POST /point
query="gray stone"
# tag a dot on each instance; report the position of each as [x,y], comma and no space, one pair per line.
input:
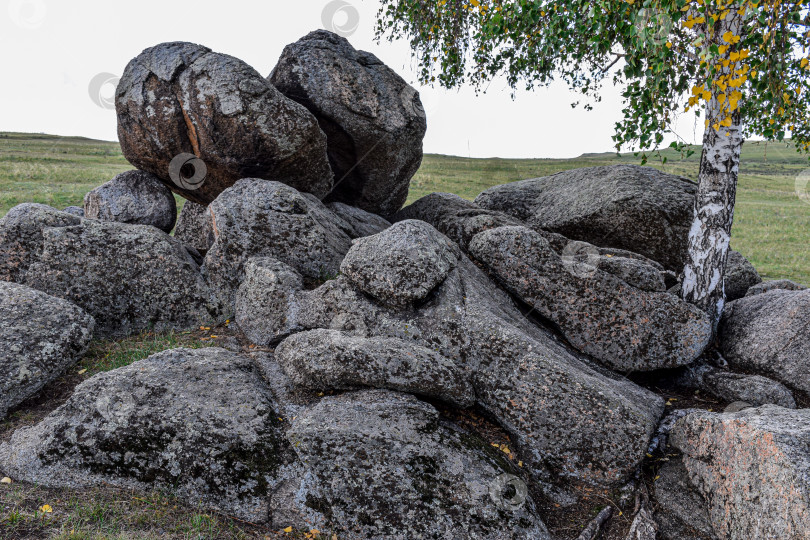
[601,315]
[194,227]
[752,468]
[264,306]
[40,337]
[128,277]
[682,512]
[195,422]
[359,222]
[730,386]
[74,210]
[740,276]
[767,334]
[777,284]
[332,360]
[553,401]
[135,197]
[402,264]
[21,236]
[635,208]
[461,220]
[383,465]
[373,120]
[181,98]
[255,218]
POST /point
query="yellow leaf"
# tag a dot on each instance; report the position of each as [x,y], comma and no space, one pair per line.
[804,62]
[5,480]
[82,371]
[722,49]
[288,530]
[315,531]
[669,44]
[706,95]
[46,508]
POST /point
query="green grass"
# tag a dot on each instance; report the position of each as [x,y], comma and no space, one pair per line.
[771,222]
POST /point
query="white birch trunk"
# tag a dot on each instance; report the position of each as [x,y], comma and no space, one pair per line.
[714,207]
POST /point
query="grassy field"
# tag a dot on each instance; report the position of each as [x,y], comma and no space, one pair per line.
[772,225]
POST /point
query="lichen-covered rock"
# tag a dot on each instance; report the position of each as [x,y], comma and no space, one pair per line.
[181,98]
[194,227]
[461,220]
[264,306]
[729,386]
[255,218]
[635,208]
[196,422]
[777,284]
[682,512]
[552,401]
[383,465]
[359,223]
[601,315]
[454,217]
[752,468]
[373,120]
[332,360]
[767,334]
[74,210]
[402,264]
[21,231]
[134,197]
[128,277]
[40,337]
[740,276]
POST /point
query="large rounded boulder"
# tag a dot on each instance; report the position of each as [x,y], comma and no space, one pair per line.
[373,120]
[200,121]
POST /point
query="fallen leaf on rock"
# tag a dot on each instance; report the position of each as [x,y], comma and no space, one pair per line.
[5,480]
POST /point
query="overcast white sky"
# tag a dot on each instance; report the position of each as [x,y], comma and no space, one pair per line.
[51,50]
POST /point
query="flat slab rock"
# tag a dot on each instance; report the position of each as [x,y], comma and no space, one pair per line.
[752,467]
[639,209]
[128,277]
[385,466]
[601,315]
[40,337]
[182,98]
[768,334]
[197,422]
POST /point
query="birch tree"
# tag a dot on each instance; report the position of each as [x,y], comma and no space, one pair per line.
[739,65]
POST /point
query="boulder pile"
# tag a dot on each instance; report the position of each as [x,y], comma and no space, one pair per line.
[379,348]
